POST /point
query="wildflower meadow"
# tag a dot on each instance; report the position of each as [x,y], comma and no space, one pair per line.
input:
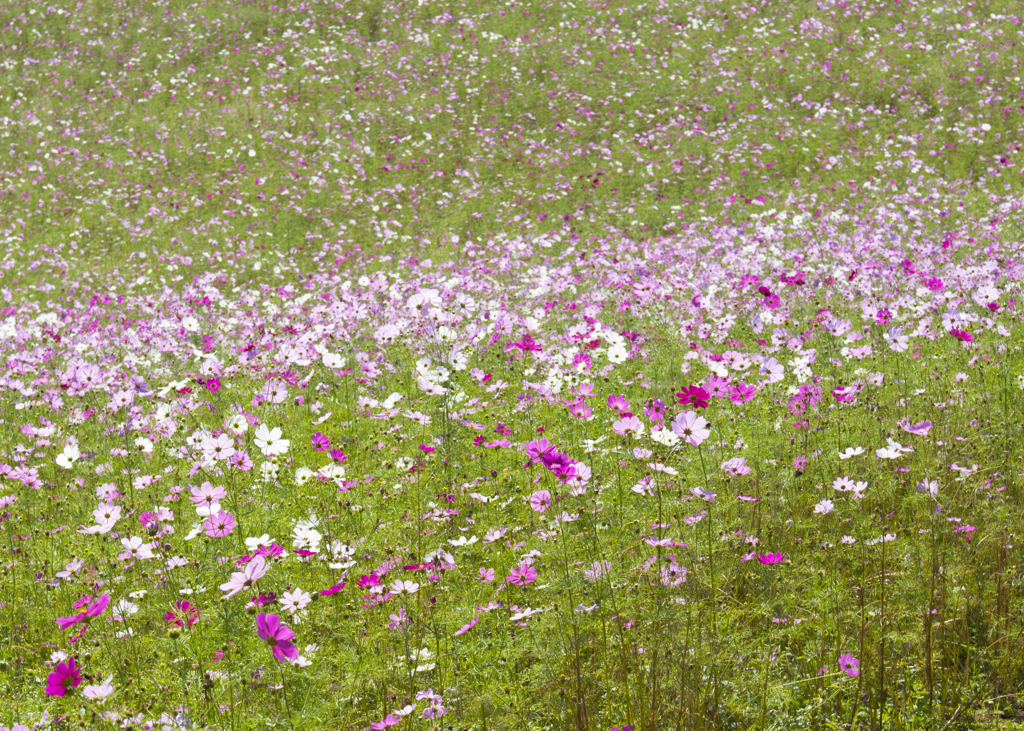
[600,364]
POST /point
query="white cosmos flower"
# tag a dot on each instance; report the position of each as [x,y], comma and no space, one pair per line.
[271,441]
[295,600]
[253,543]
[333,361]
[463,541]
[124,608]
[69,456]
[205,510]
[666,437]
[617,354]
[306,537]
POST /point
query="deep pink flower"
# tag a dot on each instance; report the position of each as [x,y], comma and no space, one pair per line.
[212,385]
[962,335]
[91,611]
[64,677]
[770,558]
[183,612]
[694,396]
[275,634]
[561,465]
[320,442]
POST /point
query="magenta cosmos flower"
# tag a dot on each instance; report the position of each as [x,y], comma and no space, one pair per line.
[275,634]
[770,558]
[86,615]
[694,396]
[183,612]
[63,678]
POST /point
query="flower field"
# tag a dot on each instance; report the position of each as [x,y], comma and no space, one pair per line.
[471,365]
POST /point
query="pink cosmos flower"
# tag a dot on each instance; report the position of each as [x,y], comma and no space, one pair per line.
[540,500]
[691,428]
[206,494]
[486,575]
[389,720]
[920,429]
[522,575]
[537,449]
[320,442]
[628,425]
[770,558]
[741,393]
[737,466]
[253,572]
[63,678]
[468,626]
[717,387]
[220,525]
[275,634]
[848,664]
[99,692]
[240,460]
[561,465]
[618,403]
[217,448]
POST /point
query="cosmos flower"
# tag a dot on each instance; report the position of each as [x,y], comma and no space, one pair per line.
[270,441]
[183,612]
[522,575]
[220,525]
[253,572]
[63,678]
[89,611]
[691,428]
[848,664]
[277,636]
[540,500]
[694,396]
